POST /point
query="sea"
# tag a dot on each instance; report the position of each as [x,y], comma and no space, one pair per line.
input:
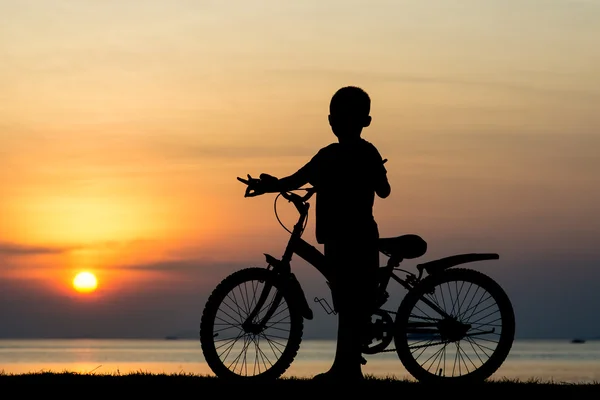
[557,361]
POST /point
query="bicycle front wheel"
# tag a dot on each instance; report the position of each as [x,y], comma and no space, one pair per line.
[455,326]
[234,349]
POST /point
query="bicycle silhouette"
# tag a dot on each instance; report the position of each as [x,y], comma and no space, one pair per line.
[452,325]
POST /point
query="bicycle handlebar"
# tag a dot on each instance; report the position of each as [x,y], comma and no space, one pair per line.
[288,195]
[294,198]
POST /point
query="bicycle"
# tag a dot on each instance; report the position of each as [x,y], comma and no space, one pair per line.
[267,305]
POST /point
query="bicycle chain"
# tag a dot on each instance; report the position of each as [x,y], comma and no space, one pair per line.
[415,347]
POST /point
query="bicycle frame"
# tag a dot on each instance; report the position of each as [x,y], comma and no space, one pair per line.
[297,245]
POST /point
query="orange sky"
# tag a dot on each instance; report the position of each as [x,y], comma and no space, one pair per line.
[123,128]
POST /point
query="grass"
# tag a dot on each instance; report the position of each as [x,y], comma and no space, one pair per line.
[184,383]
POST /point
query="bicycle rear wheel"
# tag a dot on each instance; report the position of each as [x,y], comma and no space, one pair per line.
[467,344]
[237,351]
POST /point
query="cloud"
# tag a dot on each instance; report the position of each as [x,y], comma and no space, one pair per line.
[192,269]
[12,249]
[588,95]
[203,151]
[17,249]
[23,256]
[12,255]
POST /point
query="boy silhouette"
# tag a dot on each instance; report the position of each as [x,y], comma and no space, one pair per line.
[346,175]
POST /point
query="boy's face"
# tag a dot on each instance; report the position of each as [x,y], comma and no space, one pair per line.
[347,125]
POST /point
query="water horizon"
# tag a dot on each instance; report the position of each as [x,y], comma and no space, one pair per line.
[542,360]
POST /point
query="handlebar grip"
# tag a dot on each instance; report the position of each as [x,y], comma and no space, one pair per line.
[289,196]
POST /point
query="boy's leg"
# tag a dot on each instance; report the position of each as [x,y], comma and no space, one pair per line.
[361,292]
[354,266]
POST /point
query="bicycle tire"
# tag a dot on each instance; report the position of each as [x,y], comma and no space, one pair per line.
[498,355]
[208,332]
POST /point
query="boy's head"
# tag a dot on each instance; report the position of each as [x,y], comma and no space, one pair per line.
[349,112]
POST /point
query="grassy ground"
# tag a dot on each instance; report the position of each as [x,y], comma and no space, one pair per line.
[161,385]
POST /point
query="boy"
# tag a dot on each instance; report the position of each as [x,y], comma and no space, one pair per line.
[346,176]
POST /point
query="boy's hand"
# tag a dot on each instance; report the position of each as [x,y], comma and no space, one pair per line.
[268,183]
[256,187]
[268,179]
[250,186]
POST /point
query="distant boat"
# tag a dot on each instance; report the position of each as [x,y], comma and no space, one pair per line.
[578,341]
[171,338]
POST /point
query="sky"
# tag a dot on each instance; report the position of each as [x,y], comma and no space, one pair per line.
[124,124]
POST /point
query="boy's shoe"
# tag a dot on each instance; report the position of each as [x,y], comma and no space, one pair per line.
[334,377]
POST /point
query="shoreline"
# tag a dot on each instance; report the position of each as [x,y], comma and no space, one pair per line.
[144,381]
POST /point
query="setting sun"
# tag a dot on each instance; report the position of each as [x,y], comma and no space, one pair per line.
[85,282]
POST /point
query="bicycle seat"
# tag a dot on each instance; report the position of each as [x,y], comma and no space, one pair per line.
[403,247]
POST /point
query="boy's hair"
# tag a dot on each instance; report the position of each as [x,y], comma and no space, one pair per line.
[350,100]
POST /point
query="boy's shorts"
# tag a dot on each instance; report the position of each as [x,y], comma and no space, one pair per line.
[353,266]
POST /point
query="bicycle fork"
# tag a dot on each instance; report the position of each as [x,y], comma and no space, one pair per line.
[286,283]
[257,327]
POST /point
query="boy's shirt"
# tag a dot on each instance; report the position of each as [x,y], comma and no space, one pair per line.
[346,176]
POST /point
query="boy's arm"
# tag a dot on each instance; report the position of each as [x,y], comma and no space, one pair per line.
[270,184]
[286,184]
[293,181]
[383,188]
[382,185]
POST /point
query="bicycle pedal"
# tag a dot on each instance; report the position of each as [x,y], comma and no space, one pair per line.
[328,309]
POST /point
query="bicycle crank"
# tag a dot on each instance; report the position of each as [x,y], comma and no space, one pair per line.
[380,333]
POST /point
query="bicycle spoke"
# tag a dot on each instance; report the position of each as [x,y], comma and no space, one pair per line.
[243,352]
[455,359]
[240,320]
[260,354]
[456,303]
[244,297]
[473,306]
[477,335]
[465,355]
[460,314]
[434,356]
[227,341]
[475,350]
[275,347]
[442,357]
[486,316]
[480,346]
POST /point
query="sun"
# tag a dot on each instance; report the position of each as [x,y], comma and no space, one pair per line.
[85,282]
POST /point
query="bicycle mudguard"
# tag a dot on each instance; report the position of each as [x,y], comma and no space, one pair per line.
[436,266]
[291,283]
